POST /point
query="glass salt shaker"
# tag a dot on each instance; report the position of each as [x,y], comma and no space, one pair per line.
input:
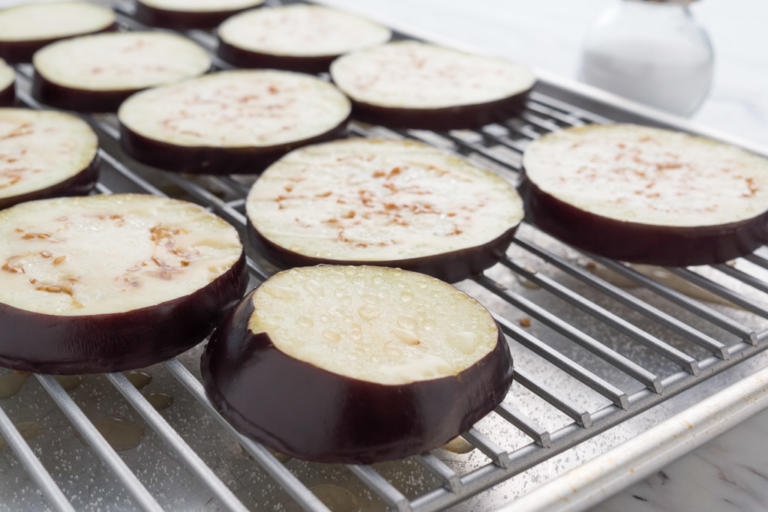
[650,51]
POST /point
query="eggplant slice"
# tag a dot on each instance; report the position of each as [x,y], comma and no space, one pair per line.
[97,73]
[45,154]
[188,14]
[26,28]
[112,282]
[356,364]
[382,202]
[7,84]
[418,85]
[647,195]
[295,37]
[231,121]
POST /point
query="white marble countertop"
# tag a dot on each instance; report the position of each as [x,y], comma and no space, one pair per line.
[730,473]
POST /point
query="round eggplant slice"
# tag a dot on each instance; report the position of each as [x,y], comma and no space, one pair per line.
[187,14]
[356,364]
[24,29]
[295,37]
[383,202]
[112,282]
[647,195]
[97,73]
[231,121]
[45,154]
[7,84]
[418,85]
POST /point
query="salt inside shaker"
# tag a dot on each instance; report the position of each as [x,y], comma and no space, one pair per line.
[650,51]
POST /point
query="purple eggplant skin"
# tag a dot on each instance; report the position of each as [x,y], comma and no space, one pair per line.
[670,246]
[78,100]
[309,413]
[213,160]
[8,95]
[65,345]
[256,60]
[451,266]
[14,52]
[78,185]
[441,119]
[182,20]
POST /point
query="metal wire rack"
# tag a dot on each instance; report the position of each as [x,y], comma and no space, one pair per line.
[625,348]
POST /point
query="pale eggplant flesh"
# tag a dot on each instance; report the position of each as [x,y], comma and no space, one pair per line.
[409,84]
[276,111]
[301,409]
[188,16]
[59,319]
[251,59]
[78,100]
[382,202]
[23,28]
[17,52]
[80,184]
[96,73]
[120,341]
[450,266]
[668,246]
[299,37]
[442,119]
[45,154]
[211,159]
[646,195]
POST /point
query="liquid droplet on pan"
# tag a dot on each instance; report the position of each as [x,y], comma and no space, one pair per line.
[120,433]
[11,383]
[138,378]
[336,497]
[27,429]
[69,382]
[525,282]
[159,401]
[458,445]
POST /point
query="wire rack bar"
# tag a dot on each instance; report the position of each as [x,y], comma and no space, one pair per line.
[498,145]
[32,464]
[639,335]
[545,124]
[564,118]
[297,490]
[626,298]
[539,435]
[449,477]
[692,305]
[720,290]
[100,446]
[161,427]
[572,333]
[569,108]
[381,487]
[581,417]
[608,390]
[744,277]
[502,135]
[757,259]
[488,447]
